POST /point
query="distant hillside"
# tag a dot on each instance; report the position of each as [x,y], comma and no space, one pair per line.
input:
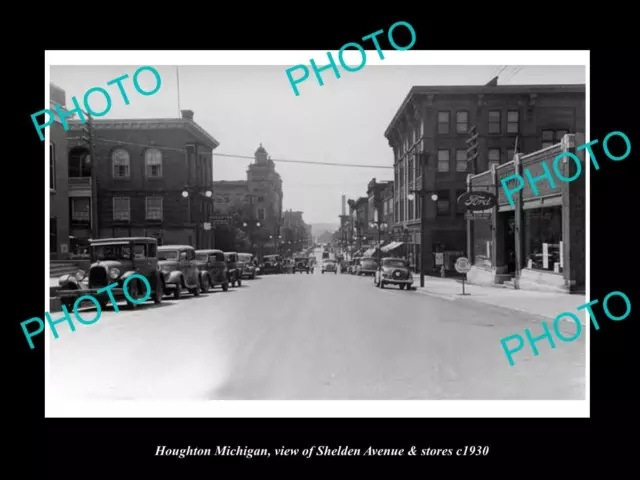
[320,228]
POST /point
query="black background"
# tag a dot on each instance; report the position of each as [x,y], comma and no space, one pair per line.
[75,448]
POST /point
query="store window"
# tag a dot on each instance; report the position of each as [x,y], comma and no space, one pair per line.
[543,239]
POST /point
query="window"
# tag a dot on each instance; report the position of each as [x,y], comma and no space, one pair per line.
[510,154]
[443,160]
[154,208]
[513,121]
[494,121]
[442,204]
[139,250]
[544,234]
[226,198]
[443,122]
[52,166]
[80,209]
[494,157]
[121,210]
[552,137]
[261,199]
[461,160]
[153,161]
[410,170]
[261,214]
[121,163]
[462,122]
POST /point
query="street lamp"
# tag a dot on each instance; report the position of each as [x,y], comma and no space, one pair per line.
[422,193]
[379,225]
[186,193]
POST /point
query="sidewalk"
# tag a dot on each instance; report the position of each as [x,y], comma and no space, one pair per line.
[544,304]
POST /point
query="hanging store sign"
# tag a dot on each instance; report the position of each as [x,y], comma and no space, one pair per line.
[477,216]
[477,201]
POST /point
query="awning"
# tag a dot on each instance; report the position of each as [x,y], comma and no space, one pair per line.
[392,246]
[369,253]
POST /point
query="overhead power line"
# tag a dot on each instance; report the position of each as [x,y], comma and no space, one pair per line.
[307,162]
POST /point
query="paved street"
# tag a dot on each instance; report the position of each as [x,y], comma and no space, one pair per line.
[312,337]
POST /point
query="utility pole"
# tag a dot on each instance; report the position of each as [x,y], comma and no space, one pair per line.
[472,159]
[423,215]
[89,140]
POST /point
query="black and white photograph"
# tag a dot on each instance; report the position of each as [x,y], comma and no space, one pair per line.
[228,239]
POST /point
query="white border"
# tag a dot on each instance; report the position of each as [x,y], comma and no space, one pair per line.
[292,408]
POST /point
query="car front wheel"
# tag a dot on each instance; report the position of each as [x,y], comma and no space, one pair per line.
[205,285]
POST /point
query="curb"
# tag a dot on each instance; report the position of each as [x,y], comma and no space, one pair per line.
[466,298]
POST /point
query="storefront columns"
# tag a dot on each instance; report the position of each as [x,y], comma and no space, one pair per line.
[573,214]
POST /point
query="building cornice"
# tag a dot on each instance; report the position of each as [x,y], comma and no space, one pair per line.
[477,89]
[149,124]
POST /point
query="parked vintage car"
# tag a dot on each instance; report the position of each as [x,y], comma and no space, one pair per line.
[302,264]
[394,271]
[113,261]
[367,266]
[213,269]
[246,265]
[329,265]
[272,264]
[179,268]
[233,272]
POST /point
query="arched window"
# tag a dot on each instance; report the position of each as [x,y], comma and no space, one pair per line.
[153,162]
[121,163]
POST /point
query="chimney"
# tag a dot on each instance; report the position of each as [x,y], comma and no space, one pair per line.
[187,114]
[493,82]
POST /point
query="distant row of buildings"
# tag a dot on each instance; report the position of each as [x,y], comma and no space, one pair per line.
[153,178]
[509,244]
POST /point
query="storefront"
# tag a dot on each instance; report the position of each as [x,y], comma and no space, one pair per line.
[539,243]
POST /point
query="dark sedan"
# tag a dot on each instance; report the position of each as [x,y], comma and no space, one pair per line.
[394,271]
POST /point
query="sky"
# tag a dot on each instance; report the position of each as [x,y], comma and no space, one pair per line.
[341,122]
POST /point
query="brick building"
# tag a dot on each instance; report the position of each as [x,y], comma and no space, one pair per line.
[539,241]
[375,195]
[436,120]
[58,179]
[294,231]
[258,199]
[152,177]
[361,233]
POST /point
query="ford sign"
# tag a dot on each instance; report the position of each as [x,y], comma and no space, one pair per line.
[476,201]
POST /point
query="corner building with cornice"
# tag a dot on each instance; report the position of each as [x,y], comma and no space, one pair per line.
[265,185]
[436,119]
[150,178]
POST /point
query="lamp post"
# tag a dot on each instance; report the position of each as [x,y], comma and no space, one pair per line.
[423,194]
[379,225]
[252,225]
[187,192]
